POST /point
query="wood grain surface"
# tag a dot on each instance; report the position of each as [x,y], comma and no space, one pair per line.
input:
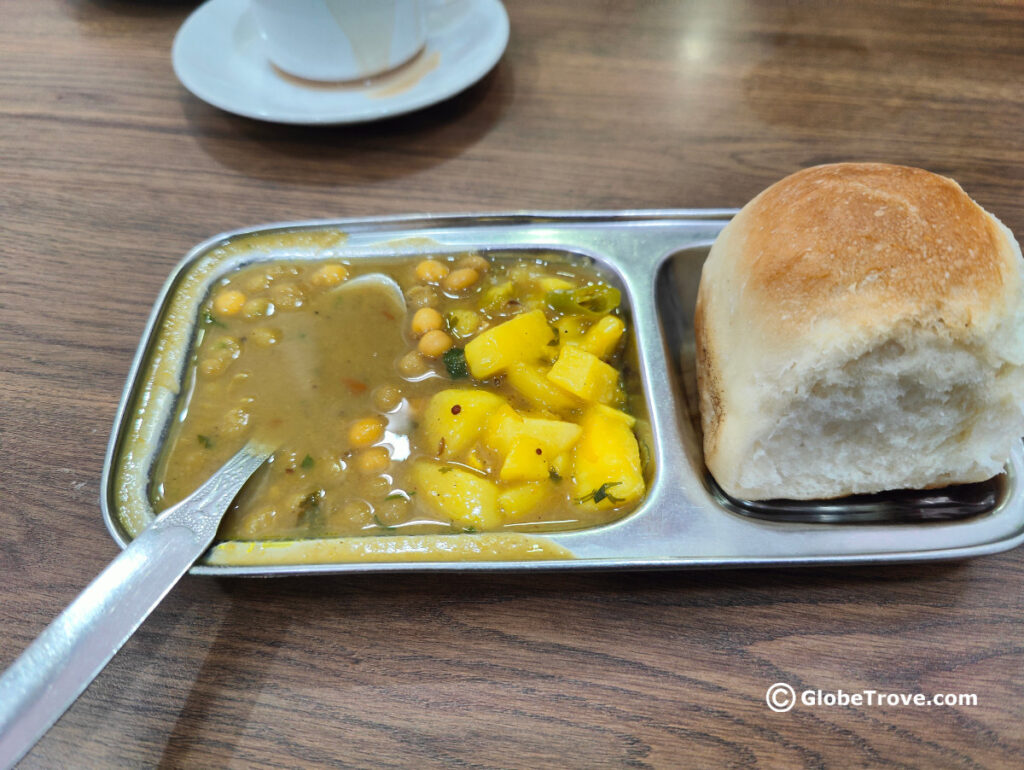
[110,171]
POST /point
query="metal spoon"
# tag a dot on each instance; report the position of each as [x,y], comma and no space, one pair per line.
[48,676]
[375,279]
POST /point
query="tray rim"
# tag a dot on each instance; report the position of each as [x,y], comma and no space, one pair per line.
[434,221]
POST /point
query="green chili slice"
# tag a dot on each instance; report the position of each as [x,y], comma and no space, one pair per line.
[591,301]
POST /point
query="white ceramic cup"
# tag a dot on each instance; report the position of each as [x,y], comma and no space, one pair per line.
[335,40]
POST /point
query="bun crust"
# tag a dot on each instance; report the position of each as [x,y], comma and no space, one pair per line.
[843,306]
[852,240]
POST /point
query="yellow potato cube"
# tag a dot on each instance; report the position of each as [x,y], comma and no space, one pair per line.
[606,461]
[585,375]
[553,437]
[503,428]
[454,419]
[615,414]
[518,502]
[523,338]
[476,462]
[571,329]
[532,383]
[603,336]
[525,461]
[470,501]
[496,297]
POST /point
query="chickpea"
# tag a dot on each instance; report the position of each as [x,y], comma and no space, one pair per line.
[424,320]
[257,282]
[434,343]
[236,420]
[257,308]
[357,512]
[475,262]
[282,271]
[287,296]
[378,486]
[228,347]
[393,511]
[386,398]
[265,337]
[213,366]
[463,323]
[256,525]
[460,279]
[431,271]
[412,364]
[219,356]
[421,296]
[373,461]
[330,274]
[228,302]
[365,432]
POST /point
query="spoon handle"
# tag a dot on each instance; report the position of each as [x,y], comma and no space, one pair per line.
[48,676]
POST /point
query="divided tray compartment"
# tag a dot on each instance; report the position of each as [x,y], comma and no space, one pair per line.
[685,521]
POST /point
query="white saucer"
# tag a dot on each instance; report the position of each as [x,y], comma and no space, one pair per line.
[218,56]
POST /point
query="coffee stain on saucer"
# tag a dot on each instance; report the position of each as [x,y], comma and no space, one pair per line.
[403,78]
[410,77]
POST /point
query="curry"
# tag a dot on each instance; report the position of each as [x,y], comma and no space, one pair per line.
[465,394]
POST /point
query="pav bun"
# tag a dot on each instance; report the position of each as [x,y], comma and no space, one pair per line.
[860,327]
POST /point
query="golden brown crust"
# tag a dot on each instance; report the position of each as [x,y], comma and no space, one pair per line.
[861,242]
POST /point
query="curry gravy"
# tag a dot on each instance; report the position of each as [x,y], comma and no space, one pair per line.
[336,377]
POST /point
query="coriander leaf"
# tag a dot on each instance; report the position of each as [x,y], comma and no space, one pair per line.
[209,320]
[307,462]
[205,441]
[310,511]
[602,493]
[455,362]
[381,524]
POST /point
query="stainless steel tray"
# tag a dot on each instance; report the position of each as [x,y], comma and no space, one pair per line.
[684,522]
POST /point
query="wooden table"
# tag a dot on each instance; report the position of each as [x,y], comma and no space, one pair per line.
[110,171]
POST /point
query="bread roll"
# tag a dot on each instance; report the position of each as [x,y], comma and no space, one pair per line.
[860,327]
